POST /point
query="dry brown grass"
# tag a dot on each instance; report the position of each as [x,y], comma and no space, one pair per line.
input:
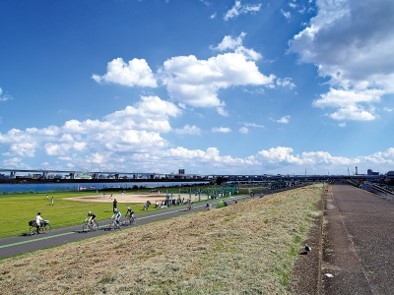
[247,248]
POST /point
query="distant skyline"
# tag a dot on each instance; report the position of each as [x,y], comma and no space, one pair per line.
[212,87]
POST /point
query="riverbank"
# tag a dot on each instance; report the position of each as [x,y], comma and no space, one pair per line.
[250,250]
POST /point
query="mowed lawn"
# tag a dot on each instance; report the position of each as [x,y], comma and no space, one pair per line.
[16,210]
[246,248]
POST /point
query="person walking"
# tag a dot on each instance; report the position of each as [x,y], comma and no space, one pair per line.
[114,205]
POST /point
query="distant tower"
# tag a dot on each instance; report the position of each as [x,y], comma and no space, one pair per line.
[356,170]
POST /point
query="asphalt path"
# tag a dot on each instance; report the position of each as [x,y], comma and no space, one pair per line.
[17,245]
[358,256]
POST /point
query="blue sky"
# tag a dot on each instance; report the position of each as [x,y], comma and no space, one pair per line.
[212,87]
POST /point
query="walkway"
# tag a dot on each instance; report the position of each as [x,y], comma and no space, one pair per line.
[358,249]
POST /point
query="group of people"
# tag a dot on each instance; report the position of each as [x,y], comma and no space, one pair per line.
[117,216]
[91,218]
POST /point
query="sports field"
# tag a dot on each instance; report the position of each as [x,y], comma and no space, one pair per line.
[70,208]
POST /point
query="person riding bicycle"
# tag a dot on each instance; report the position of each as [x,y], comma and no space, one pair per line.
[131,214]
[91,218]
[39,221]
[117,216]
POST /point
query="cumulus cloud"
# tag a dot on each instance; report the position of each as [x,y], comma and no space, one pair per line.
[239,9]
[284,120]
[285,82]
[109,142]
[354,52]
[221,130]
[197,82]
[120,141]
[189,129]
[134,73]
[191,81]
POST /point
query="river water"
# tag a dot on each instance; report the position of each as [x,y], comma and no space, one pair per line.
[61,187]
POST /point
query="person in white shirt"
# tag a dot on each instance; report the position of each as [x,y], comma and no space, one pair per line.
[38,222]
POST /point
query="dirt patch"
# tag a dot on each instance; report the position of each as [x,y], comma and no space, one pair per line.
[306,271]
[128,198]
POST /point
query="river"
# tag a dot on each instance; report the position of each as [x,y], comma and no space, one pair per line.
[61,187]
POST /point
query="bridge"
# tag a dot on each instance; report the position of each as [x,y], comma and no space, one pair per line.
[59,175]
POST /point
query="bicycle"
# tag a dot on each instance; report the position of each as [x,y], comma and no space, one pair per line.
[189,206]
[129,220]
[90,225]
[44,227]
[115,224]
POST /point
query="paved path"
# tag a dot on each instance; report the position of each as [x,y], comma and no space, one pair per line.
[359,243]
[21,244]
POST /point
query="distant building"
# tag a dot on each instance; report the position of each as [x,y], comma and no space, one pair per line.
[181,171]
[371,172]
[390,177]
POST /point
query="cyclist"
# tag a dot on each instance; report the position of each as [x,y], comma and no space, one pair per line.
[189,206]
[39,220]
[117,216]
[91,218]
[131,214]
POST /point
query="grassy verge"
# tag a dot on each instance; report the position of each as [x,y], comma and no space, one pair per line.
[247,248]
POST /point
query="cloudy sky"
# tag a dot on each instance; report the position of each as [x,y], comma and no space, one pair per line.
[212,87]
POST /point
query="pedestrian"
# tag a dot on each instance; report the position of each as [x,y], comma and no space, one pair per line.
[114,205]
[52,201]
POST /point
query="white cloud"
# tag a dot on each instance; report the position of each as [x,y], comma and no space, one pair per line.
[115,139]
[239,9]
[253,125]
[244,130]
[191,81]
[230,43]
[286,14]
[285,82]
[284,120]
[189,129]
[114,144]
[353,51]
[221,130]
[197,82]
[350,104]
[134,73]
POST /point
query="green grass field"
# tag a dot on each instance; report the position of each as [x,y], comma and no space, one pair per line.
[16,210]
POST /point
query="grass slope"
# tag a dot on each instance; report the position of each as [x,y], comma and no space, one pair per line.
[247,248]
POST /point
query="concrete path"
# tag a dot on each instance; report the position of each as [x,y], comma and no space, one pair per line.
[358,244]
